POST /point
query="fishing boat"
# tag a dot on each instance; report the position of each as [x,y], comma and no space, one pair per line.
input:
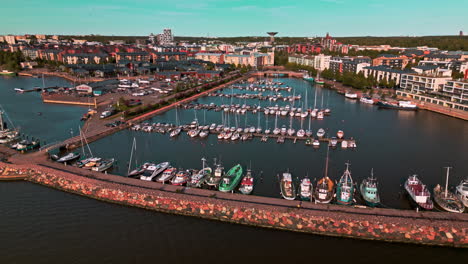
[152,171]
[321,133]
[231,179]
[69,157]
[324,189]
[419,192]
[140,169]
[288,191]
[447,200]
[197,179]
[305,189]
[340,134]
[247,183]
[167,175]
[369,191]
[401,105]
[462,192]
[181,178]
[345,188]
[104,165]
[215,178]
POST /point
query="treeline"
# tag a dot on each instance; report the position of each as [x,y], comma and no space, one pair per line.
[358,81]
[11,60]
[441,42]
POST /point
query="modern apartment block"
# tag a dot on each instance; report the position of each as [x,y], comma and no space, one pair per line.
[393,61]
[416,83]
[457,91]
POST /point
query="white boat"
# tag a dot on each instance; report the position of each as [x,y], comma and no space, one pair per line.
[193,132]
[139,170]
[340,134]
[204,133]
[351,95]
[316,143]
[228,135]
[419,192]
[69,157]
[167,175]
[320,133]
[103,165]
[344,144]
[366,100]
[301,133]
[175,132]
[288,191]
[153,171]
[446,199]
[462,192]
[320,115]
[235,136]
[305,189]
[333,142]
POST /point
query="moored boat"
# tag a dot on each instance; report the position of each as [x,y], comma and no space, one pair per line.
[351,95]
[215,178]
[401,105]
[340,134]
[181,178]
[320,132]
[419,192]
[153,171]
[288,191]
[197,179]
[231,179]
[247,183]
[462,192]
[345,188]
[305,190]
[446,199]
[167,175]
[104,165]
[369,190]
[366,100]
[69,157]
[139,170]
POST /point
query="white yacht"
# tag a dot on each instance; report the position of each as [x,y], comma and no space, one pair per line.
[462,192]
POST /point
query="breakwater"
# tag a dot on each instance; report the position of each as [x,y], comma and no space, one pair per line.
[375,224]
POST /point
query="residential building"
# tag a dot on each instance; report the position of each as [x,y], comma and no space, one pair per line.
[40,36]
[416,83]
[169,56]
[349,64]
[10,39]
[457,91]
[166,37]
[393,61]
[133,56]
[386,73]
[30,53]
[211,57]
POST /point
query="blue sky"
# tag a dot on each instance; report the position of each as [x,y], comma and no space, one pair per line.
[236,17]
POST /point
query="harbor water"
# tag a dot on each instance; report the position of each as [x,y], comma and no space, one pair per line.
[395,144]
[47,122]
[43,225]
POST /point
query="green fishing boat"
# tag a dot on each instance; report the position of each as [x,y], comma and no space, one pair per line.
[231,179]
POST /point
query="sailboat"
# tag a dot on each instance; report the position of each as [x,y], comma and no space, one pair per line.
[176,131]
[138,170]
[369,191]
[301,132]
[277,130]
[324,189]
[447,200]
[291,130]
[345,188]
[89,159]
[318,80]
[267,129]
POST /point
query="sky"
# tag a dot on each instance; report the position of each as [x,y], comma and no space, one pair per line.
[222,18]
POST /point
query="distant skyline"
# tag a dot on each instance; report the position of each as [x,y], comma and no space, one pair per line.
[230,18]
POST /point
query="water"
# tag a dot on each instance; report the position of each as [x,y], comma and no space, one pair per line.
[394,143]
[47,122]
[42,225]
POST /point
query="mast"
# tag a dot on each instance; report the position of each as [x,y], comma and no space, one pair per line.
[203,161]
[176,117]
[1,121]
[258,120]
[310,118]
[276,121]
[322,100]
[131,155]
[315,99]
[326,163]
[446,180]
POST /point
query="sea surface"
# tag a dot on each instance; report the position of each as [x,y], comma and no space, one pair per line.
[43,225]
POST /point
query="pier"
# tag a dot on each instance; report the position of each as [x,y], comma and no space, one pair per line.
[430,228]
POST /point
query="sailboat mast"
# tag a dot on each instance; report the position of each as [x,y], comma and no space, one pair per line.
[446,180]
[131,155]
[326,163]
[315,99]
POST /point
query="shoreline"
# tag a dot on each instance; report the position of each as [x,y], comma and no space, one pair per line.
[390,225]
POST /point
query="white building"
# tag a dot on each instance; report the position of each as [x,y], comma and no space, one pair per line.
[166,37]
[457,91]
[416,83]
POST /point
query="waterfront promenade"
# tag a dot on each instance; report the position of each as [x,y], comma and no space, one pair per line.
[431,228]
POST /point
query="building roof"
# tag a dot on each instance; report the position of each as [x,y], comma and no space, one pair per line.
[426,67]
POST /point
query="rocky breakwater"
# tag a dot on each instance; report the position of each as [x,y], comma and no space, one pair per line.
[325,221]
